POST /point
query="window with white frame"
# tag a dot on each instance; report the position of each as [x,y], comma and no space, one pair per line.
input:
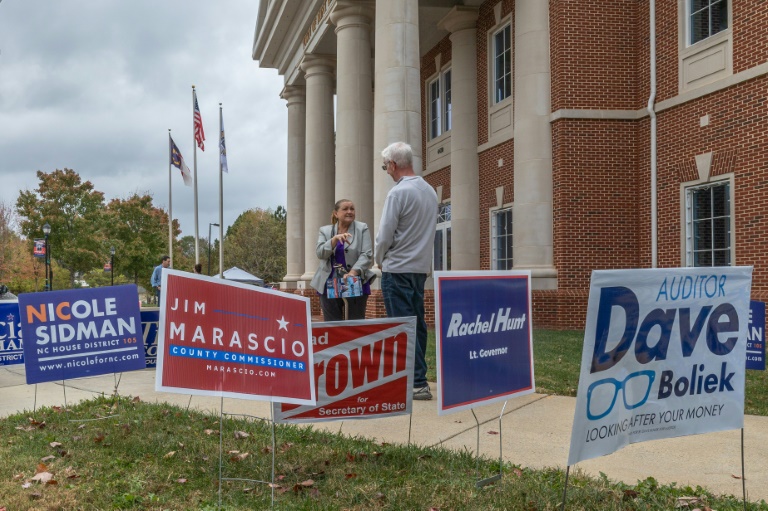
[440,104]
[501,239]
[442,251]
[502,64]
[708,225]
[706,18]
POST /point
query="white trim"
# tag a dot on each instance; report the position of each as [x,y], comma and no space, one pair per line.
[491,213]
[438,149]
[705,61]
[501,114]
[685,231]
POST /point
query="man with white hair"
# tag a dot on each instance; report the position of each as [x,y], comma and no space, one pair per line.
[403,249]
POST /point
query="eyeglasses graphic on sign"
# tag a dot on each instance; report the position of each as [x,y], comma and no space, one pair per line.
[601,395]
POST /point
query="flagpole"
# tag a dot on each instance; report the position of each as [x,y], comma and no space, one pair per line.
[170,203]
[221,198]
[194,148]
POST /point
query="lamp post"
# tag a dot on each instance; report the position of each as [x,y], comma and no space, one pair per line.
[209,247]
[48,276]
[111,266]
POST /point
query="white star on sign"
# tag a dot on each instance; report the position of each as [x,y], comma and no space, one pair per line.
[283,324]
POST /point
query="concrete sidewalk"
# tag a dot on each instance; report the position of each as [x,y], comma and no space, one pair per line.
[535,432]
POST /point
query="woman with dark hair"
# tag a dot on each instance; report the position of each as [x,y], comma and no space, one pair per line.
[344,248]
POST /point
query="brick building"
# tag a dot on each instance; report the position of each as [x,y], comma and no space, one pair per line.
[531,119]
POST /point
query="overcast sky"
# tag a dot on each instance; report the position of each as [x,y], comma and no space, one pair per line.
[94,85]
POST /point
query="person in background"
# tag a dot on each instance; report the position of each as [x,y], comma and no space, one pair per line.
[157,276]
[403,251]
[344,242]
[199,269]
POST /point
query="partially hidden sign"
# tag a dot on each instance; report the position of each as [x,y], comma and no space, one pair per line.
[81,332]
[363,370]
[224,338]
[11,346]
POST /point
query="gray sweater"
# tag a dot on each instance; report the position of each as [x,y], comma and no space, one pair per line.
[405,239]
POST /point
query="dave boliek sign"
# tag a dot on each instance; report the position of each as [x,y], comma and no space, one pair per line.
[223,338]
[663,356]
[484,337]
[81,332]
[363,369]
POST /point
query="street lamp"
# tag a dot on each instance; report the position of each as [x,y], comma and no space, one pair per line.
[111,266]
[209,247]
[48,276]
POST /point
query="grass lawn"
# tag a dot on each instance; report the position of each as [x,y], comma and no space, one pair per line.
[160,457]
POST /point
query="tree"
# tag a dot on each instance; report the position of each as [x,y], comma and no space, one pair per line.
[74,210]
[139,232]
[256,243]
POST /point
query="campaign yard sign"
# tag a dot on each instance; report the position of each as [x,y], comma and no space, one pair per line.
[663,356]
[81,332]
[224,338]
[484,337]
[363,370]
[756,336]
[150,323]
[11,346]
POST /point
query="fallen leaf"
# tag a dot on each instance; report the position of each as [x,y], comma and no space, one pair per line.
[517,472]
[384,444]
[99,438]
[41,467]
[266,450]
[26,485]
[314,493]
[240,457]
[18,476]
[76,438]
[491,432]
[350,457]
[630,494]
[181,446]
[181,481]
[737,477]
[273,485]
[169,455]
[247,490]
[48,458]
[81,426]
[42,477]
[350,476]
[137,399]
[52,481]
[241,434]
[35,495]
[209,432]
[307,483]
[55,444]
[233,452]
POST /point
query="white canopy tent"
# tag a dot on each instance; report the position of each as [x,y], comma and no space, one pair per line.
[239,275]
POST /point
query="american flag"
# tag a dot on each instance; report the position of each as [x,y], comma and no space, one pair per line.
[198,124]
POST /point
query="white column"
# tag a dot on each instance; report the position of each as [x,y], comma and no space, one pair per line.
[397,91]
[532,214]
[295,233]
[354,105]
[319,166]
[465,182]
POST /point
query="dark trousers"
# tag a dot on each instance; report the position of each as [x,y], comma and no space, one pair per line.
[403,297]
[333,308]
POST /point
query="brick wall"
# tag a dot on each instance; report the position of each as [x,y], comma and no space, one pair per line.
[593,54]
[492,175]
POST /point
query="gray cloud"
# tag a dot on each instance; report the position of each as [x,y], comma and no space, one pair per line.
[95,86]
